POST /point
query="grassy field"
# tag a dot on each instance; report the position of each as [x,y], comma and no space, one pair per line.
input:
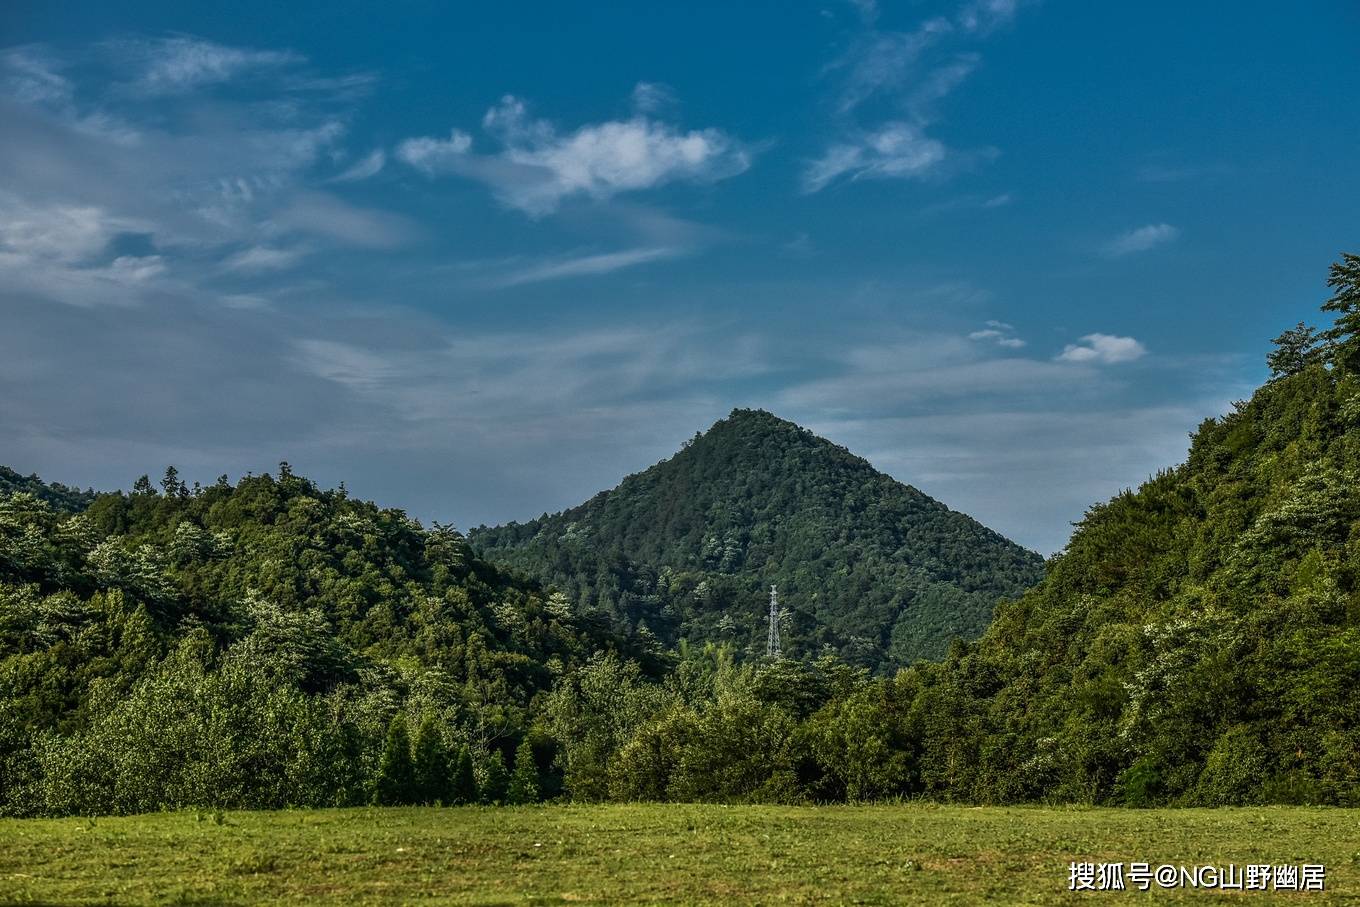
[913,854]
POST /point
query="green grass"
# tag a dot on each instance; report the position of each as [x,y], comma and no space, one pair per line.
[912,854]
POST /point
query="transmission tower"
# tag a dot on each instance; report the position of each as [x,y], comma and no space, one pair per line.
[772,641]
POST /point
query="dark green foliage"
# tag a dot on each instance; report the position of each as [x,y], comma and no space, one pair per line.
[874,568]
[395,784]
[249,645]
[1295,350]
[432,766]
[61,497]
[523,787]
[463,785]
[1344,335]
[494,782]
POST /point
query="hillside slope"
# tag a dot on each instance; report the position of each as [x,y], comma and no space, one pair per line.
[266,644]
[1199,639]
[687,549]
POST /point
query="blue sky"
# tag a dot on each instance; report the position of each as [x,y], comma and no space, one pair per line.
[481,261]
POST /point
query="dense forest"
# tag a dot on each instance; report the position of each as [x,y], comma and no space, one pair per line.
[869,569]
[271,644]
[60,497]
[266,644]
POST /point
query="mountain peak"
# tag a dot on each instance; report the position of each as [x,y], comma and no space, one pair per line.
[687,547]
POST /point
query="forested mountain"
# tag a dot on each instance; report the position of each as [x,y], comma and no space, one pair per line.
[1197,643]
[874,569]
[264,644]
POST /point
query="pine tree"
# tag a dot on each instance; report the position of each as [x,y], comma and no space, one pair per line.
[143,486]
[524,781]
[494,778]
[431,765]
[463,786]
[395,784]
[170,483]
[1344,334]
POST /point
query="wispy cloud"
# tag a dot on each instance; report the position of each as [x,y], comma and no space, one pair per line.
[538,167]
[584,265]
[985,16]
[908,73]
[369,165]
[1140,239]
[181,64]
[262,258]
[32,75]
[999,333]
[1103,349]
[896,150]
[211,188]
[651,97]
[431,156]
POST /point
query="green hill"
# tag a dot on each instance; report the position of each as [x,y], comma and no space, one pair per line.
[263,644]
[1199,640]
[687,550]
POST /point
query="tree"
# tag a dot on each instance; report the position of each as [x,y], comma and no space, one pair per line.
[494,778]
[431,766]
[1295,350]
[524,781]
[170,483]
[395,784]
[463,786]
[1344,334]
[143,486]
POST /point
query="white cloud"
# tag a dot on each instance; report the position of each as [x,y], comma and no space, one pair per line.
[433,155]
[32,76]
[907,73]
[896,150]
[262,258]
[649,97]
[1140,240]
[999,333]
[197,182]
[538,167]
[1105,349]
[369,165]
[60,232]
[182,64]
[885,62]
[137,268]
[583,265]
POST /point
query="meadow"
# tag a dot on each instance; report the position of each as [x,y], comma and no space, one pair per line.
[657,854]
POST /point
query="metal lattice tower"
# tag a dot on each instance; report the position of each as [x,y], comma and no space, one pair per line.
[772,641]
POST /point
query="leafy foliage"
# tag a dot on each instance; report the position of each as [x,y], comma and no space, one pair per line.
[267,644]
[60,497]
[875,569]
